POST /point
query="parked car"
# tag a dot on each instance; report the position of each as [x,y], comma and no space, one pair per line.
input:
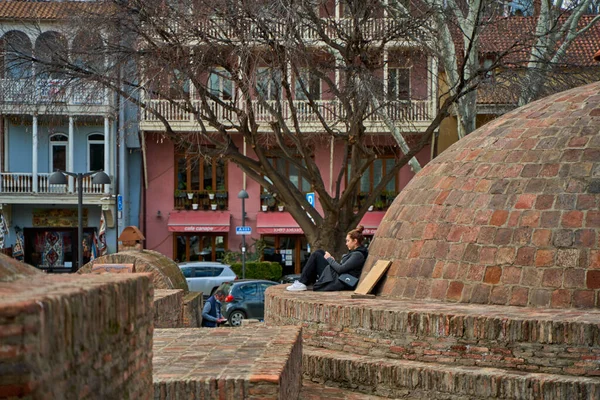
[245,299]
[206,276]
[289,278]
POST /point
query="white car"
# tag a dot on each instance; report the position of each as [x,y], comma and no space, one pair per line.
[206,276]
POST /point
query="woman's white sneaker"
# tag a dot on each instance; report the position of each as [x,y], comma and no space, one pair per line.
[297,286]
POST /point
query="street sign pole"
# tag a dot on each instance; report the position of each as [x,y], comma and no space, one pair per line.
[243,240]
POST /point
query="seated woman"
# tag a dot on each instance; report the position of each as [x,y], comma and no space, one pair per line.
[323,270]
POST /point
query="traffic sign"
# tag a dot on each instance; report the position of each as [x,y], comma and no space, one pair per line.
[310,197]
[119,203]
[243,230]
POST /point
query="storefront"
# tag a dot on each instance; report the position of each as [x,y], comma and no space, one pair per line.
[199,236]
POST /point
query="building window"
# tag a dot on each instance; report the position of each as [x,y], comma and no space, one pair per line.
[95,152]
[220,84]
[398,85]
[199,247]
[291,251]
[312,86]
[373,176]
[16,48]
[291,171]
[196,173]
[268,83]
[59,144]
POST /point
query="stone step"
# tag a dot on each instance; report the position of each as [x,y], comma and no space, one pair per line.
[317,391]
[414,379]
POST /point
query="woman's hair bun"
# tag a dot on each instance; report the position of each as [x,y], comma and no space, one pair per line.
[360,228]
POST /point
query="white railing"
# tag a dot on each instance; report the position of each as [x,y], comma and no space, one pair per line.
[22,183]
[330,110]
[223,29]
[46,91]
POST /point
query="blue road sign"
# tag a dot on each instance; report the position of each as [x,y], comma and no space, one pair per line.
[119,203]
[310,197]
[243,230]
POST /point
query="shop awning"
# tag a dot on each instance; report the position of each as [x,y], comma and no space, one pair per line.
[277,223]
[371,221]
[199,221]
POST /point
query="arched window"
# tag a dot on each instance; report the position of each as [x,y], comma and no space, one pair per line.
[52,49]
[95,152]
[16,55]
[59,145]
[88,51]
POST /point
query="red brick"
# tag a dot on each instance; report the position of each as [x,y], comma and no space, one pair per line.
[439,289]
[511,275]
[500,295]
[483,186]
[549,170]
[499,217]
[525,201]
[519,296]
[442,197]
[493,275]
[595,259]
[593,280]
[552,278]
[455,290]
[525,256]
[572,219]
[530,218]
[487,255]
[583,299]
[580,141]
[513,219]
[544,257]
[574,278]
[544,202]
[429,231]
[541,237]
[480,294]
[475,273]
[438,270]
[592,219]
[505,255]
[561,298]
[585,237]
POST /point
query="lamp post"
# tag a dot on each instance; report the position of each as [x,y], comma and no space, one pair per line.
[60,178]
[243,195]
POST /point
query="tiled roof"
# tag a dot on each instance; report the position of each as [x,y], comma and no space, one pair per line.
[31,10]
[515,35]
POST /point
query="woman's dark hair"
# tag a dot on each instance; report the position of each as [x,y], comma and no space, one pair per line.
[357,234]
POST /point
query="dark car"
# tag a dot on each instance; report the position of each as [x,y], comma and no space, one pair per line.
[289,278]
[245,299]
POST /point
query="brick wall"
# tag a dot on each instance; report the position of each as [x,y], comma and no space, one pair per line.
[168,308]
[192,310]
[77,337]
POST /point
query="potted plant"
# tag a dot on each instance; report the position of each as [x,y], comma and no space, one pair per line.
[371,207]
[280,206]
[264,207]
[379,204]
[190,195]
[194,206]
[211,194]
[213,206]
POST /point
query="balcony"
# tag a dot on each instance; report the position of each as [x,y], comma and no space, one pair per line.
[17,187]
[222,29]
[201,200]
[418,114]
[19,95]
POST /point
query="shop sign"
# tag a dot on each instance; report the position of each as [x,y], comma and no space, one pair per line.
[58,217]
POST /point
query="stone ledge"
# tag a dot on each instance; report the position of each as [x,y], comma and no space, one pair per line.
[515,338]
[242,363]
[401,378]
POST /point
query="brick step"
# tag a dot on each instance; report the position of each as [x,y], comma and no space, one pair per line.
[317,391]
[414,379]
[509,338]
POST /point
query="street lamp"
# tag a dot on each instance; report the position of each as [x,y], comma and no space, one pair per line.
[60,178]
[243,195]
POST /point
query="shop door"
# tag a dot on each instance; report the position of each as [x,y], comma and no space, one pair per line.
[198,247]
[291,251]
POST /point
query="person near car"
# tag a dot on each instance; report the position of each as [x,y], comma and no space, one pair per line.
[211,313]
[323,270]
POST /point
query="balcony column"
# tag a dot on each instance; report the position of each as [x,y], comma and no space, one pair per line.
[71,154]
[386,72]
[107,143]
[34,152]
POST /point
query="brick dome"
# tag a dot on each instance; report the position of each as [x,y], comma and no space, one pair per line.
[508,215]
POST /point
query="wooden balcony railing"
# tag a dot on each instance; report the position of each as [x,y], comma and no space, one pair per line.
[173,111]
[22,183]
[201,200]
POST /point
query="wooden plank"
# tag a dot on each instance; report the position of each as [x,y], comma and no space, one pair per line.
[362,296]
[374,275]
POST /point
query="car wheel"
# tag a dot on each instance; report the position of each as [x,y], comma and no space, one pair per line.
[236,317]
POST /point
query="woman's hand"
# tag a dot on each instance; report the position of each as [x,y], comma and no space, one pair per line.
[327,255]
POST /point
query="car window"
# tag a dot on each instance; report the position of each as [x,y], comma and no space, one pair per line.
[263,286]
[202,272]
[216,271]
[248,289]
[187,272]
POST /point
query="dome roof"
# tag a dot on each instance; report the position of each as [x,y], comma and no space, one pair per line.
[508,215]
